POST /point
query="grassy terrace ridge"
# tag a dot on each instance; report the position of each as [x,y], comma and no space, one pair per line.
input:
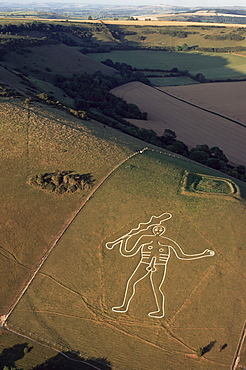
[68,306]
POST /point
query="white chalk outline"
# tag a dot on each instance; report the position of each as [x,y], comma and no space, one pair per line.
[157,229]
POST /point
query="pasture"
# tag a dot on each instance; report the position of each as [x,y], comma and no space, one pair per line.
[214,66]
[46,141]
[171,81]
[192,125]
[68,305]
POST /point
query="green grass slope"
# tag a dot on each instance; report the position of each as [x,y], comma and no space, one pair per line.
[46,141]
[212,65]
[68,306]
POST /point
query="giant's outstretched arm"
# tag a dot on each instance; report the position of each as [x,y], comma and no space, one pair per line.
[183,256]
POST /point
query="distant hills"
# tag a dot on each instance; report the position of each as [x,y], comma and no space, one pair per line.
[110,11]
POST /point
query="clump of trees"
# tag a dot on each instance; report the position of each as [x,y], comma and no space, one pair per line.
[226,49]
[176,33]
[61,182]
[5,91]
[57,32]
[230,36]
[93,91]
[212,157]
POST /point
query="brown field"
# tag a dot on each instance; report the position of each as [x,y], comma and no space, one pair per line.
[151,23]
[192,125]
[226,98]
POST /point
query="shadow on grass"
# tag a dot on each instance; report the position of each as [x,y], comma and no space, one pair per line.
[76,362]
[208,347]
[9,356]
[223,347]
[64,361]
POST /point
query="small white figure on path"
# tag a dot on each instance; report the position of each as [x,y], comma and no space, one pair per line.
[155,250]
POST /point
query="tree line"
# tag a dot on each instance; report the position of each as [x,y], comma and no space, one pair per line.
[92,91]
[82,35]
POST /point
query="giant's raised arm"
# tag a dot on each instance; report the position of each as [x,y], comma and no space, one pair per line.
[183,256]
[129,244]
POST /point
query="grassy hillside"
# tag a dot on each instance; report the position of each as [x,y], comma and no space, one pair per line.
[46,141]
[68,306]
[59,279]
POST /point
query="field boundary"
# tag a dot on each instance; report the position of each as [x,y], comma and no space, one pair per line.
[199,107]
[241,341]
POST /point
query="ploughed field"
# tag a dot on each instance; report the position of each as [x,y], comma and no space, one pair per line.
[194,126]
[225,98]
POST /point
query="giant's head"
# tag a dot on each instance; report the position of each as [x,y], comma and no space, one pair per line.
[158,230]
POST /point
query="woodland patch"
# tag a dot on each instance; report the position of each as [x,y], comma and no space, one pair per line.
[61,182]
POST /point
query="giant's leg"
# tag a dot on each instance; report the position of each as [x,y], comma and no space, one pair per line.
[138,274]
[157,279]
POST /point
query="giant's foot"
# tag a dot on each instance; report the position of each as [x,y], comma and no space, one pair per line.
[120,309]
[156,314]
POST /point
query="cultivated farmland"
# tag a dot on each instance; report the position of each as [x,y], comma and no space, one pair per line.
[225,98]
[191,124]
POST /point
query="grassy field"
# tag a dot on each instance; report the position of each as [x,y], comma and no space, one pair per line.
[47,141]
[171,81]
[174,34]
[211,65]
[68,305]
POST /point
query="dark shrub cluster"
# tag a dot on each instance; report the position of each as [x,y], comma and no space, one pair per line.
[61,182]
